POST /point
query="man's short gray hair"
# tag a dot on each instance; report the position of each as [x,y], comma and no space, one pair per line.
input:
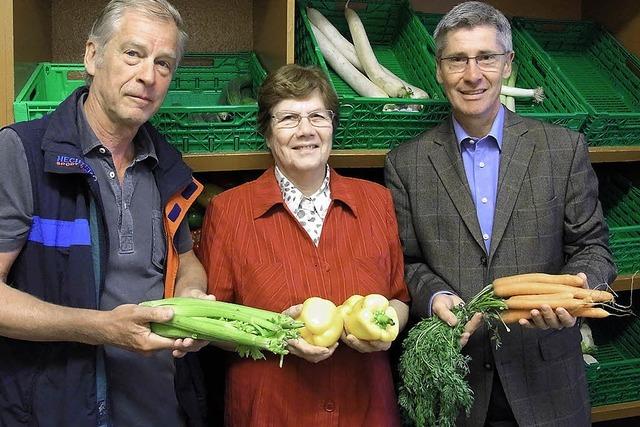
[104,27]
[473,14]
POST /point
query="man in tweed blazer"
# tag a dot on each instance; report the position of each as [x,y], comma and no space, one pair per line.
[488,194]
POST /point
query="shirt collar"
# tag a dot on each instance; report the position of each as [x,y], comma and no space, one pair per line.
[495,132]
[267,193]
[89,141]
[292,194]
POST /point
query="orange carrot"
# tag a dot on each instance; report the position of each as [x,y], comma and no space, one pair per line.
[531,288]
[592,312]
[594,295]
[502,289]
[561,279]
[531,304]
[561,295]
[512,316]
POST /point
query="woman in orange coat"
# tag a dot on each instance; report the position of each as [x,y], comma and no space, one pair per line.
[302,230]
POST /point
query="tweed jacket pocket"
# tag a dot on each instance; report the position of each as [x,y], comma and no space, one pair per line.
[539,219]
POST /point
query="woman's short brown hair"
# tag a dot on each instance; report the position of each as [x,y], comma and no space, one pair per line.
[293,82]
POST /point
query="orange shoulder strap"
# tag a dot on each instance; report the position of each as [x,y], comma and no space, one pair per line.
[174,212]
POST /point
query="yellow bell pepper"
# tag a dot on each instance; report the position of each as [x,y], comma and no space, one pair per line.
[323,323]
[370,318]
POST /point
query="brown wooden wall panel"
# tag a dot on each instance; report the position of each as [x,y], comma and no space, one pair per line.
[551,9]
[32,30]
[32,37]
[212,25]
[6,62]
[622,19]
[273,31]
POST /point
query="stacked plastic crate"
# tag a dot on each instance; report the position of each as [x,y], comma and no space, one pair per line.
[194,116]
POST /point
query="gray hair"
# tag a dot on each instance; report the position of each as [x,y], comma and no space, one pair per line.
[104,27]
[473,14]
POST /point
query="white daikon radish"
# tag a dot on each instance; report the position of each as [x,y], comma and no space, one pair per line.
[358,81]
[511,81]
[415,91]
[391,85]
[509,89]
[537,94]
[345,47]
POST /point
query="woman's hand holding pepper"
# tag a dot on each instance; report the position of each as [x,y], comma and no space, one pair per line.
[301,348]
[363,346]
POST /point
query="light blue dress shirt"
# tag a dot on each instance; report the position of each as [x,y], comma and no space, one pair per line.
[481,158]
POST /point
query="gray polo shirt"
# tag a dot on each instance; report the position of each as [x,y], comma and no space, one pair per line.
[141,388]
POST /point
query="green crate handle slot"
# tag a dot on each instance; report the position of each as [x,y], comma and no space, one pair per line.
[198,59]
[33,94]
[633,67]
[539,68]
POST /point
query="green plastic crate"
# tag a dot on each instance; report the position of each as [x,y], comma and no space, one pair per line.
[559,106]
[621,207]
[190,116]
[48,85]
[616,376]
[604,77]
[401,44]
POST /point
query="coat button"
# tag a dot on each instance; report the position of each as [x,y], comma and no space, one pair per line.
[329,406]
[488,366]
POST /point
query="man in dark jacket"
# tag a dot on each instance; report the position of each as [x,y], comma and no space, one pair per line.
[489,194]
[91,210]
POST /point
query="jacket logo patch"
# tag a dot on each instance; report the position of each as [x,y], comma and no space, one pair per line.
[74,162]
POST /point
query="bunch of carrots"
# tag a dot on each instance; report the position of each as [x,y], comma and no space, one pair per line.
[525,292]
[431,353]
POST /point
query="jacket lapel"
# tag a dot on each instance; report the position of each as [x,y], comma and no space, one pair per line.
[514,162]
[447,162]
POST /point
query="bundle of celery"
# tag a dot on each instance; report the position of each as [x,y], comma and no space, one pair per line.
[433,390]
[251,329]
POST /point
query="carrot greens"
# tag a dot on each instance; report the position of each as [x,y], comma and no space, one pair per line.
[433,390]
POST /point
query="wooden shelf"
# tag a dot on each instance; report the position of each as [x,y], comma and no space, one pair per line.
[212,162]
[614,154]
[615,411]
[623,283]
[374,158]
[357,158]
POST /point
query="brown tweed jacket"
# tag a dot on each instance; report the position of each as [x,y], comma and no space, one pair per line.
[547,219]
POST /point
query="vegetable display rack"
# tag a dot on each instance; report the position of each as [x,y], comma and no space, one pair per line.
[402,45]
[616,376]
[621,206]
[603,76]
[192,116]
[559,106]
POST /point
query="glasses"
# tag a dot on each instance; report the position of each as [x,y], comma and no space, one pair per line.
[291,119]
[486,62]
